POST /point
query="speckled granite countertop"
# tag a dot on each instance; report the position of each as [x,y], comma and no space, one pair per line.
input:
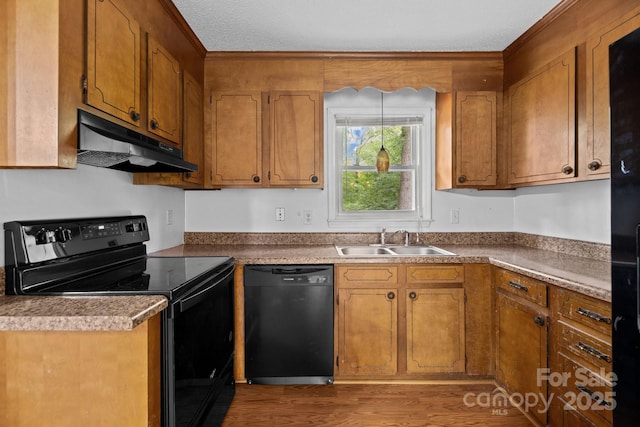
[585,275]
[115,313]
[574,265]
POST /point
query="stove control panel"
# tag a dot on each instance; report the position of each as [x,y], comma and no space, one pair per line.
[28,242]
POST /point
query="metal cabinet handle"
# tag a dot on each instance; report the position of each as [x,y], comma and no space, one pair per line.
[593,315]
[391,295]
[135,116]
[154,124]
[594,166]
[518,286]
[567,170]
[597,396]
[256,178]
[413,295]
[593,351]
[539,320]
[314,178]
[462,179]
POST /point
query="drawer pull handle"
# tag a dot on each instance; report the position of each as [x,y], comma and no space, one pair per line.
[391,295]
[518,286]
[593,352]
[593,315]
[413,295]
[596,396]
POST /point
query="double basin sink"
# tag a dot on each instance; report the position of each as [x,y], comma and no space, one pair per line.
[390,250]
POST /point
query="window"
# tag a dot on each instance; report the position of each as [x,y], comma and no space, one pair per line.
[357,192]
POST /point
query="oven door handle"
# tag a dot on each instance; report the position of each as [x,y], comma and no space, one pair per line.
[188,302]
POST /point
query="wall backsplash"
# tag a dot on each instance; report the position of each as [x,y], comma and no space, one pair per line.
[599,251]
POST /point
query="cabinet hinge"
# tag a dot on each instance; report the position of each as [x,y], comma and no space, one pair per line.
[85,85]
[211,99]
[337,357]
[268,99]
[465,298]
[269,175]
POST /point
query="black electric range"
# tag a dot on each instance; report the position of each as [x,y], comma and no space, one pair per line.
[107,256]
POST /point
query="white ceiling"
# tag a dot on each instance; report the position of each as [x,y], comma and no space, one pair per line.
[361,25]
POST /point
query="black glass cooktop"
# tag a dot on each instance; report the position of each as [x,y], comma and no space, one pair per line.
[168,276]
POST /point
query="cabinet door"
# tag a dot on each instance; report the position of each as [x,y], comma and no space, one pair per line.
[367,331]
[521,350]
[113,60]
[295,140]
[541,124]
[597,163]
[435,330]
[236,138]
[164,92]
[475,155]
[193,134]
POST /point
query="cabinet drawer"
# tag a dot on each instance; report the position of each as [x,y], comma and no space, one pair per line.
[524,287]
[585,347]
[435,274]
[367,275]
[590,394]
[586,311]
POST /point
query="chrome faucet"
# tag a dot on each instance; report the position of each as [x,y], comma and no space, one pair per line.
[382,235]
[406,236]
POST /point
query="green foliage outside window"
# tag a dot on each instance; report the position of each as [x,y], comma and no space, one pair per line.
[364,189]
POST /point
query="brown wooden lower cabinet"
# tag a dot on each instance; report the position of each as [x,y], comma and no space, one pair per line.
[398,321]
[435,330]
[368,331]
[562,353]
[521,340]
[581,351]
[81,378]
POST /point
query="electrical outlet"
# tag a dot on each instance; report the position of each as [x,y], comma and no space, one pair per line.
[307,217]
[169,217]
[279,214]
[455,216]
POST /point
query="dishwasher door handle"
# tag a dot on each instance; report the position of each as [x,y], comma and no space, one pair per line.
[281,271]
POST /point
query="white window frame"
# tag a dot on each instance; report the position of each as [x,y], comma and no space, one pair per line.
[424,170]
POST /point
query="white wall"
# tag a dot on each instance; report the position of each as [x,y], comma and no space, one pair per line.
[90,191]
[580,211]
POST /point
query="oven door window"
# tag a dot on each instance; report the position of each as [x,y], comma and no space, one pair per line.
[203,349]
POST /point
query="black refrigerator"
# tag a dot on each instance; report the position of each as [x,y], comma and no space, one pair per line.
[624,79]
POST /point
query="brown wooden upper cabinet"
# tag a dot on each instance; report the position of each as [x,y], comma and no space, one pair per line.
[540,124]
[113,61]
[466,139]
[192,138]
[598,153]
[164,91]
[114,71]
[266,139]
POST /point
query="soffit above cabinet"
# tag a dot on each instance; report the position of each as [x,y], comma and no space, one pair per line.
[353,25]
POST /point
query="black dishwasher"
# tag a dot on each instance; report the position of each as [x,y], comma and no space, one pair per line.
[288,316]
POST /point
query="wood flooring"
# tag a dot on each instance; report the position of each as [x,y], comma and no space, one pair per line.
[371,405]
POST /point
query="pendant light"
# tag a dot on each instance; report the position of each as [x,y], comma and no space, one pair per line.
[382,159]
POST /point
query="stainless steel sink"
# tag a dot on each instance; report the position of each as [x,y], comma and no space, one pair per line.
[419,250]
[391,250]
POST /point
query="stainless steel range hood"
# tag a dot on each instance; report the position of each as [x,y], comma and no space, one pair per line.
[105,144]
